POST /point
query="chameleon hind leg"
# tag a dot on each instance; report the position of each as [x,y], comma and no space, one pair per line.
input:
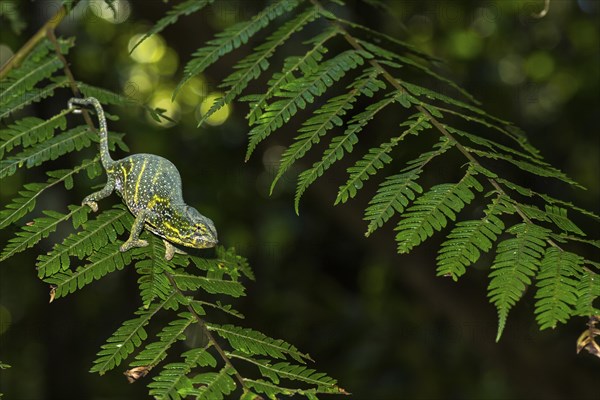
[91,200]
[134,237]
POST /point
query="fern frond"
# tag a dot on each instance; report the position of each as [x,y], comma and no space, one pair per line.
[102,262]
[557,287]
[389,55]
[394,194]
[257,62]
[432,210]
[252,342]
[517,260]
[285,370]
[209,284]
[545,171]
[340,145]
[232,38]
[376,158]
[549,199]
[307,64]
[185,8]
[39,65]
[298,93]
[26,200]
[153,283]
[29,131]
[34,95]
[212,385]
[588,292]
[126,339]
[325,118]
[95,235]
[156,351]
[173,379]
[468,239]
[558,215]
[73,139]
[227,261]
[38,229]
[272,391]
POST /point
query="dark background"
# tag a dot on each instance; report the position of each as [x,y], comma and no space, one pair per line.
[382,324]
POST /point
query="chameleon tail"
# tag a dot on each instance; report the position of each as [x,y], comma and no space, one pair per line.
[105,158]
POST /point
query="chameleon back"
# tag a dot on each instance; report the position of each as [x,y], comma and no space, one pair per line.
[147,181]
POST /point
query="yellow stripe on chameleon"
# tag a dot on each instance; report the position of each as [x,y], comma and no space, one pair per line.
[138,180]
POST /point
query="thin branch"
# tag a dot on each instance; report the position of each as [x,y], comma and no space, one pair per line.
[69,75]
[207,333]
[16,60]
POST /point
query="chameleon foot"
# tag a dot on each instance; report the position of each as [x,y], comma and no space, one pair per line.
[133,243]
[92,204]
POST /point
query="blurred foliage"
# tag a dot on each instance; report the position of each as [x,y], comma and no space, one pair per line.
[381,323]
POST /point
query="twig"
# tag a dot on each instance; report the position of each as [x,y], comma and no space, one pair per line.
[208,334]
[16,60]
[69,75]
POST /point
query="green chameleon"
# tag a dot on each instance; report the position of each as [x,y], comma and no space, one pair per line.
[150,186]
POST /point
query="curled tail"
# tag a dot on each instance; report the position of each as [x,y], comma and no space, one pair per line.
[105,158]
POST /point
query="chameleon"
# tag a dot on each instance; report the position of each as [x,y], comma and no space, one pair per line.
[150,186]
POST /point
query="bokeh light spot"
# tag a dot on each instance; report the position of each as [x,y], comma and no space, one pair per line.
[121,11]
[150,50]
[219,116]
[5,319]
[162,99]
[466,44]
[539,66]
[510,70]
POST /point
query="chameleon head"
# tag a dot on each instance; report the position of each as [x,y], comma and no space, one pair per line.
[203,233]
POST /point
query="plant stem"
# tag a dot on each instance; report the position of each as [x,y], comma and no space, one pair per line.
[208,334]
[16,60]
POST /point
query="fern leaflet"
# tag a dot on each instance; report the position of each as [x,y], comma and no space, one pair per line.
[307,64]
[173,379]
[186,8]
[301,91]
[517,260]
[254,64]
[38,229]
[467,239]
[212,385]
[156,351]
[232,38]
[431,211]
[557,287]
[96,234]
[325,118]
[376,158]
[256,343]
[126,339]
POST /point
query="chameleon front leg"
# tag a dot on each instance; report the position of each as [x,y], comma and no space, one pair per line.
[170,250]
[134,238]
[91,199]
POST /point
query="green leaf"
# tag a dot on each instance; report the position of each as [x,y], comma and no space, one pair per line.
[126,339]
[376,158]
[517,261]
[557,287]
[325,118]
[253,65]
[31,233]
[468,239]
[232,38]
[185,8]
[432,210]
[252,342]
